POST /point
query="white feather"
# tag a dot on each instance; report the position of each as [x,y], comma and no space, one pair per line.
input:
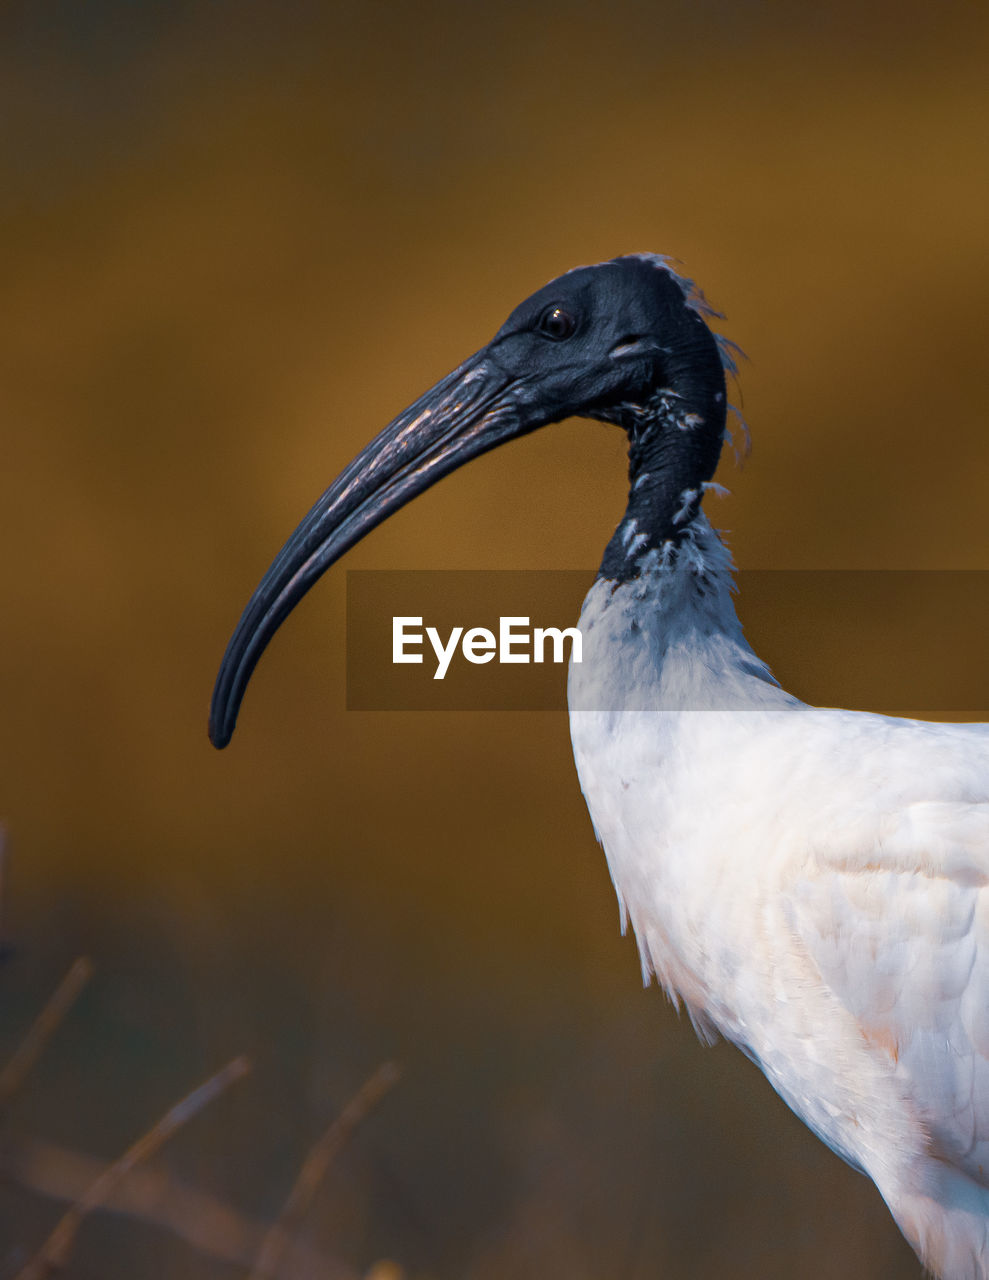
[811,883]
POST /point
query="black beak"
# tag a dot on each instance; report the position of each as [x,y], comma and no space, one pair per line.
[470,411]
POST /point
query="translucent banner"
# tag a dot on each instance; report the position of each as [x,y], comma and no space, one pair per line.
[906,642]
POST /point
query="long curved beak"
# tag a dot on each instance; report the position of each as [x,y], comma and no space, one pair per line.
[470,411]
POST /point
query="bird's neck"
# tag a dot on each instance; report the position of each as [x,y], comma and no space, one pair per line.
[666,637]
[675,441]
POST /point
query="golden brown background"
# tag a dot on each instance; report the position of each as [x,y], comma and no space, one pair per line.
[236,239]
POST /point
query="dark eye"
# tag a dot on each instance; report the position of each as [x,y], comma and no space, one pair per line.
[556,323]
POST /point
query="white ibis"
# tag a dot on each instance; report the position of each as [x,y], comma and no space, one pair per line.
[809,883]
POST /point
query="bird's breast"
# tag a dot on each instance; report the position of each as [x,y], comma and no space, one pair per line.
[672,718]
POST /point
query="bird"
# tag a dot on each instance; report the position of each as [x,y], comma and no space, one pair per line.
[808,883]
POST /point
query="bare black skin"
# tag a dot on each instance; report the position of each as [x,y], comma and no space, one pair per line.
[622,341]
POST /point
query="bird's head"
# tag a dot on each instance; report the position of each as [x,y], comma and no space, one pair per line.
[602,339]
[624,341]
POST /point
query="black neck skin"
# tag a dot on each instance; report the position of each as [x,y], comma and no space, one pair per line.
[674,444]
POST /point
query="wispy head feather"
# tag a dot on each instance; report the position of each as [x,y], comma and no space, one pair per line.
[730,352]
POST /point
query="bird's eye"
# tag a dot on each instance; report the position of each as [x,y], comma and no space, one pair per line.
[556,323]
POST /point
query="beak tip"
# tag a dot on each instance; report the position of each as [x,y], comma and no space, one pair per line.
[221,730]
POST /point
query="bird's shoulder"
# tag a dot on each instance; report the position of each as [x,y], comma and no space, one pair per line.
[891,906]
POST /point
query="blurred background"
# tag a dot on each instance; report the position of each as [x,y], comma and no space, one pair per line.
[237,238]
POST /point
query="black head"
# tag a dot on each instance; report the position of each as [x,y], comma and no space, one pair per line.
[624,341]
[603,337]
